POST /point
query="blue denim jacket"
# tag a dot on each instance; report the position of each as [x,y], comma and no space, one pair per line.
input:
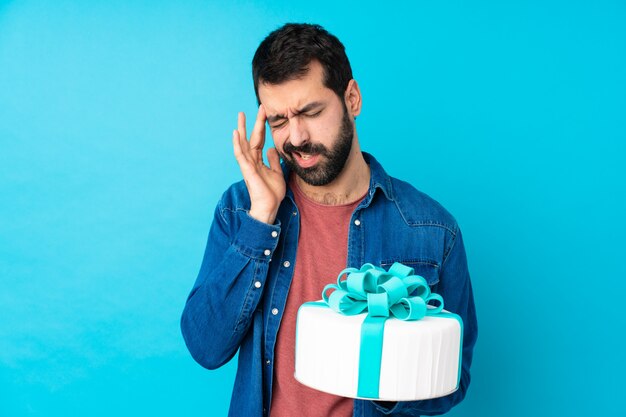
[238,298]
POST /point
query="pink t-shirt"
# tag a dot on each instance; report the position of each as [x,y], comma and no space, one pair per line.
[322,253]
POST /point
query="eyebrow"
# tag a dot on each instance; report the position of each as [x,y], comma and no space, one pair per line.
[306,108]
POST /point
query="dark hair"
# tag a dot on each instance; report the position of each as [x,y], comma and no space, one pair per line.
[286,53]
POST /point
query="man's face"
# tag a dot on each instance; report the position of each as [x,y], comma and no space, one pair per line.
[311,127]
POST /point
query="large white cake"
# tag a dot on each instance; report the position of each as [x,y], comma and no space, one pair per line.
[420,358]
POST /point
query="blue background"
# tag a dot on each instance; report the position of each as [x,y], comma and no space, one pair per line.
[115,145]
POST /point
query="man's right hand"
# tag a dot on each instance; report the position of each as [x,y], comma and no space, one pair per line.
[266,185]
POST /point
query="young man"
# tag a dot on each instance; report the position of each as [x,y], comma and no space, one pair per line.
[284,232]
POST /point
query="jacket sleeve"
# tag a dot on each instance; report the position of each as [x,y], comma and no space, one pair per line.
[219,309]
[456,289]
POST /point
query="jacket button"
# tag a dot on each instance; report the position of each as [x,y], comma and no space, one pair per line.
[286,264]
[274,233]
[274,311]
[357,222]
[268,361]
[257,284]
[267,252]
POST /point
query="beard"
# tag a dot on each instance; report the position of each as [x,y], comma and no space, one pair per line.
[335,159]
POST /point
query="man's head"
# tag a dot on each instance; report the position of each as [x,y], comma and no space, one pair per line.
[285,54]
[304,81]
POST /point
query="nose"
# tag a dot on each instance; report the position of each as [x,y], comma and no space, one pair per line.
[298,133]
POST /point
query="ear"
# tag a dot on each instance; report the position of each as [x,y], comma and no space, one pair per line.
[352,98]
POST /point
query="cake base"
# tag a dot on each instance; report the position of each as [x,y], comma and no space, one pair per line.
[420,359]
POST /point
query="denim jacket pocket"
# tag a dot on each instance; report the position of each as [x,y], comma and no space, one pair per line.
[427,269]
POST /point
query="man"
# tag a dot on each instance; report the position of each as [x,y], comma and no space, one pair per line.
[283,233]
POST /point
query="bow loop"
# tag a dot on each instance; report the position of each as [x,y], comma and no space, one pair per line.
[401,270]
[378,304]
[417,285]
[394,287]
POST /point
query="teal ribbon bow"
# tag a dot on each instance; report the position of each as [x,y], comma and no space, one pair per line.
[397,292]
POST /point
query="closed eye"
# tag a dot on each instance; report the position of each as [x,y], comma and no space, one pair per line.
[317,113]
[283,121]
[279,124]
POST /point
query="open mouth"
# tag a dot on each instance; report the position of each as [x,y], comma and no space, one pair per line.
[305,160]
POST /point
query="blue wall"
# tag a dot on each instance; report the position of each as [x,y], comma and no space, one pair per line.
[115,127]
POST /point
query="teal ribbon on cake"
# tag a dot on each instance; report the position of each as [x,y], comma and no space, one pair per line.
[397,292]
